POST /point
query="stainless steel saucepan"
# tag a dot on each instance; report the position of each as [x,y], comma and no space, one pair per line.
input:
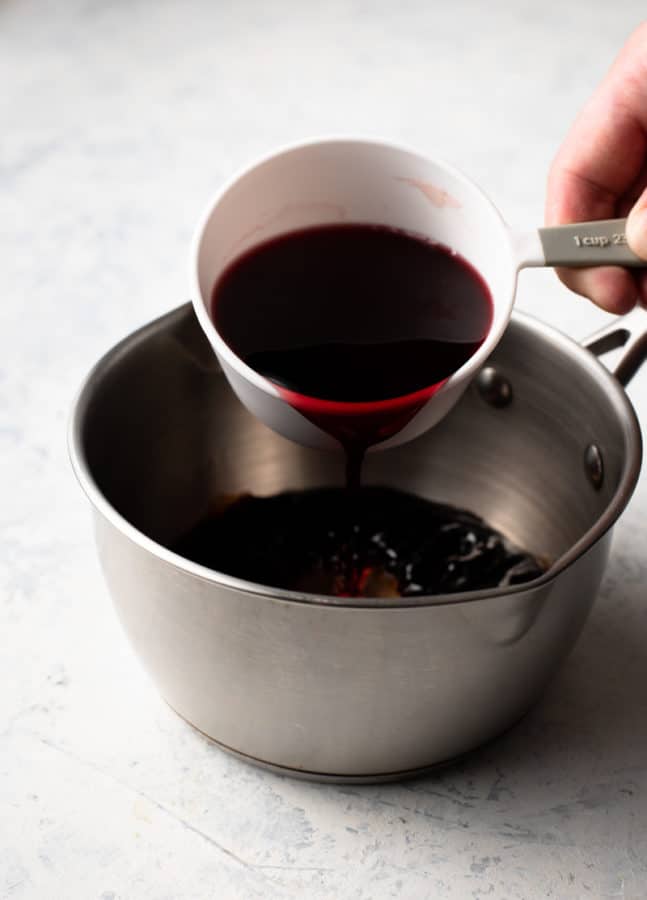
[544,444]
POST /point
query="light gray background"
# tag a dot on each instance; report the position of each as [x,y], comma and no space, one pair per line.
[117,120]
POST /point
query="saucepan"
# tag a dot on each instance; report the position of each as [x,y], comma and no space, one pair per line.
[544,444]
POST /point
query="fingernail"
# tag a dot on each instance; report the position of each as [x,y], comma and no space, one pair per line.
[637,228]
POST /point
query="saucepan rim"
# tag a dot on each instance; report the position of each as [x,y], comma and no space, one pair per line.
[619,400]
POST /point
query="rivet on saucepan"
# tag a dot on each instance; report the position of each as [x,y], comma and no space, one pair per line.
[494,388]
[594,466]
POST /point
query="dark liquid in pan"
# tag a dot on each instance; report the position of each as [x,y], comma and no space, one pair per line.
[375,542]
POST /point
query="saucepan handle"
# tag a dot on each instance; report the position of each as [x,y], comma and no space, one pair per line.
[623,343]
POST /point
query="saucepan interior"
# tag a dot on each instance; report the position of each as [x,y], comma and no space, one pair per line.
[551,460]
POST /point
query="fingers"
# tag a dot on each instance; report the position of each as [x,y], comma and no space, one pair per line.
[641,280]
[607,145]
[637,226]
[577,200]
[598,168]
[612,289]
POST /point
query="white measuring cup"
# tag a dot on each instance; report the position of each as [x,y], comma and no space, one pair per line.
[332,181]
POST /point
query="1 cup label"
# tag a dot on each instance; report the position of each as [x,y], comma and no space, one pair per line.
[600,240]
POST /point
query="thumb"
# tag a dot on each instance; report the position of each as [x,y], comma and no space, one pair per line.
[637,226]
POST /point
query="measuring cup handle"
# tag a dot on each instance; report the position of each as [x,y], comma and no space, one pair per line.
[602,243]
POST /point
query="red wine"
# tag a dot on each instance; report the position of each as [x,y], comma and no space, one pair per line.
[376,542]
[353,314]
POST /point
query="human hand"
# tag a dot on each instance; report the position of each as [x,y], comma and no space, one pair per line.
[600,172]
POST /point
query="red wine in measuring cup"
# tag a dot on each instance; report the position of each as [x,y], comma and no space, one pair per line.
[356,325]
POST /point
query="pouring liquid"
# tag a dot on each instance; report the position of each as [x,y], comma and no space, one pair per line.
[356,325]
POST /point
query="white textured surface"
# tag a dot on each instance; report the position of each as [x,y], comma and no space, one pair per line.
[118,119]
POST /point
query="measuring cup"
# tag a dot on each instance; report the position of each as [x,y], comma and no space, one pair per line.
[333,181]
